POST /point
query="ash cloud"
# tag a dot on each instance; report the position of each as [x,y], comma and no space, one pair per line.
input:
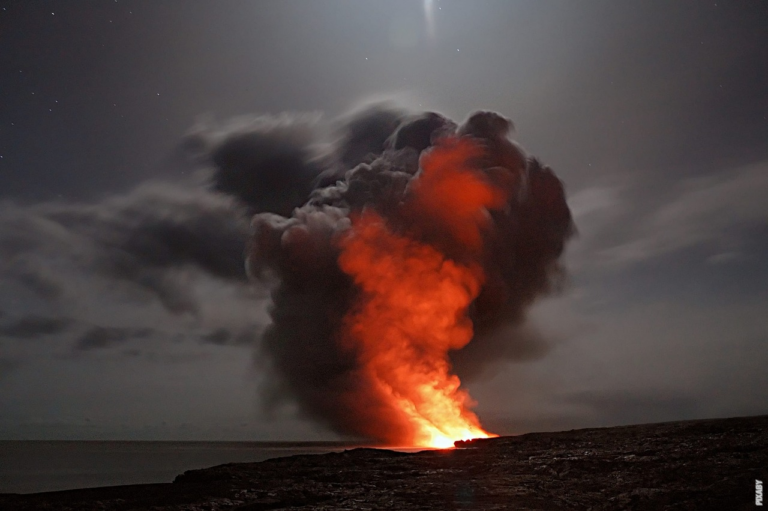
[371,167]
[269,163]
[301,181]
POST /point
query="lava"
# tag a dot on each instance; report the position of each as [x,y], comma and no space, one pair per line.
[415,297]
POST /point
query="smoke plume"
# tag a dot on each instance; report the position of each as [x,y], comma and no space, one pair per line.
[407,264]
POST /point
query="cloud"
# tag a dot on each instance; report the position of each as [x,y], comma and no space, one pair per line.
[248,336]
[589,409]
[220,336]
[715,211]
[30,327]
[509,342]
[145,272]
[41,284]
[363,133]
[267,162]
[148,239]
[7,365]
[99,337]
[633,363]
[632,407]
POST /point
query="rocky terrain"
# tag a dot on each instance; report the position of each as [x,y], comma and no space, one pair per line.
[693,465]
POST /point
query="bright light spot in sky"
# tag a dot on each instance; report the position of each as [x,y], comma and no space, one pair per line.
[429,15]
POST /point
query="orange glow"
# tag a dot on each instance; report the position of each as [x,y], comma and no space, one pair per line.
[415,299]
[453,193]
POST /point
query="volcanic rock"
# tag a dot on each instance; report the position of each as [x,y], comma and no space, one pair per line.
[691,465]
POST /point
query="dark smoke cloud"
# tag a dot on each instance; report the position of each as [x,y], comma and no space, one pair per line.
[420,131]
[141,239]
[371,167]
[363,134]
[99,337]
[219,336]
[509,341]
[228,337]
[303,181]
[268,163]
[360,137]
[30,327]
[42,285]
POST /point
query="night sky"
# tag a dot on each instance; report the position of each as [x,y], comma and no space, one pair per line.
[654,114]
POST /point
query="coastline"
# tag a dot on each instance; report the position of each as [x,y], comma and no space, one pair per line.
[34,466]
[702,464]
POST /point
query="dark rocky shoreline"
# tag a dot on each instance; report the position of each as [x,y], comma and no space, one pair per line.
[691,465]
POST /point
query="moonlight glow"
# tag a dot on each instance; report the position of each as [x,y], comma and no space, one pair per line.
[429,15]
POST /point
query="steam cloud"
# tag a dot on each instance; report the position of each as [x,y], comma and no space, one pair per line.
[374,167]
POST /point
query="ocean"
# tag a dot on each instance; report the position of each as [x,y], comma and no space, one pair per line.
[39,466]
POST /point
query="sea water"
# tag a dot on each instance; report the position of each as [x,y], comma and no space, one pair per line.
[39,466]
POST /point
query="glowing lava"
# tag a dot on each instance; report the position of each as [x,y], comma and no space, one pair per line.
[415,298]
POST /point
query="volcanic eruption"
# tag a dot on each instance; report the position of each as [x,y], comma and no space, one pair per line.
[419,242]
